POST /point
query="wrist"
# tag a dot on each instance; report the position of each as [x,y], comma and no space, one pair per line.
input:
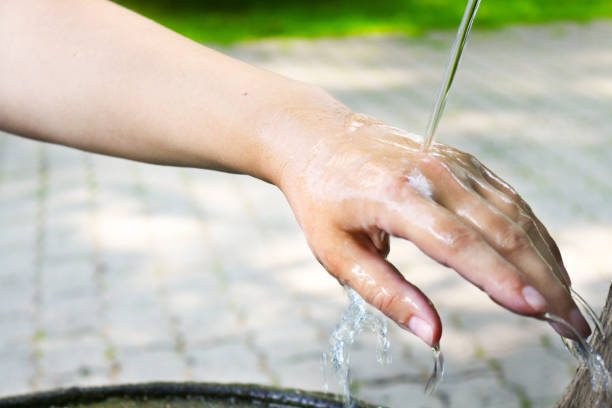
[289,135]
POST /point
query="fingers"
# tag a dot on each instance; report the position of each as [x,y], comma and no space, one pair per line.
[508,201]
[499,192]
[512,240]
[552,245]
[528,223]
[485,248]
[442,236]
[357,262]
[507,223]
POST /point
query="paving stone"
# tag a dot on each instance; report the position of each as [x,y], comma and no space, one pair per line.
[289,343]
[136,321]
[17,329]
[69,314]
[231,362]
[303,372]
[69,355]
[16,370]
[15,238]
[481,392]
[151,365]
[402,396]
[70,278]
[542,381]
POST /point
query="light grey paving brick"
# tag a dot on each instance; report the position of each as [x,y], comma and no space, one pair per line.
[141,365]
[16,368]
[69,314]
[230,362]
[72,355]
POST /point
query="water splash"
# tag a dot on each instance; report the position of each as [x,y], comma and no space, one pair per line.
[438,371]
[355,320]
[601,379]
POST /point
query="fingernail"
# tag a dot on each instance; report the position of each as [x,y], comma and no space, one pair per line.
[534,299]
[577,320]
[421,328]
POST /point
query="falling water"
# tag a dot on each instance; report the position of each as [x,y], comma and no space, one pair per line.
[438,371]
[356,319]
[451,69]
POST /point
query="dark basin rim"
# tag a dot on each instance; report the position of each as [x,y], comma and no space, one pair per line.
[161,390]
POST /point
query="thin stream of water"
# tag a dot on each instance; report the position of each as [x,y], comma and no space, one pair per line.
[438,371]
[451,69]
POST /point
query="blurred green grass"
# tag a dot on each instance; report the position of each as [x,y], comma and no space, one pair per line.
[226,21]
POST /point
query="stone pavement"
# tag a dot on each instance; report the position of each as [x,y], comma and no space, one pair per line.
[113,271]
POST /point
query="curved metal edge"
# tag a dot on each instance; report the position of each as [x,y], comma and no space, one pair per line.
[263,394]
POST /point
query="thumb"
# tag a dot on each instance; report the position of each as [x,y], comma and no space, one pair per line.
[361,266]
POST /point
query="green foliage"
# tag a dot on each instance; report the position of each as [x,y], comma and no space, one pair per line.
[225,21]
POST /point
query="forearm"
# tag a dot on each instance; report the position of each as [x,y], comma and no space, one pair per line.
[95,76]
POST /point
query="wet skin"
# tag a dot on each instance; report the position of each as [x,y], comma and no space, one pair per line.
[370,181]
[94,76]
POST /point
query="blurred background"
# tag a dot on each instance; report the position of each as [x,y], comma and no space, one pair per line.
[234,20]
[113,271]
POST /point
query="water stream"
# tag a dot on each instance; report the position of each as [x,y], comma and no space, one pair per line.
[453,63]
[438,371]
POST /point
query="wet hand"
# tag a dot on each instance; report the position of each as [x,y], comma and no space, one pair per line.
[369,181]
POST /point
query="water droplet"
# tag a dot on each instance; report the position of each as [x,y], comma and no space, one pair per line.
[438,371]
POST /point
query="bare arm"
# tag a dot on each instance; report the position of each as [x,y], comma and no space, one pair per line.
[95,76]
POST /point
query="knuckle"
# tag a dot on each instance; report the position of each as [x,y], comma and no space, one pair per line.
[460,238]
[435,167]
[512,211]
[397,187]
[513,240]
[383,301]
[507,282]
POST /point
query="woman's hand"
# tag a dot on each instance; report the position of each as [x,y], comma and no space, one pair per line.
[356,187]
[125,86]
